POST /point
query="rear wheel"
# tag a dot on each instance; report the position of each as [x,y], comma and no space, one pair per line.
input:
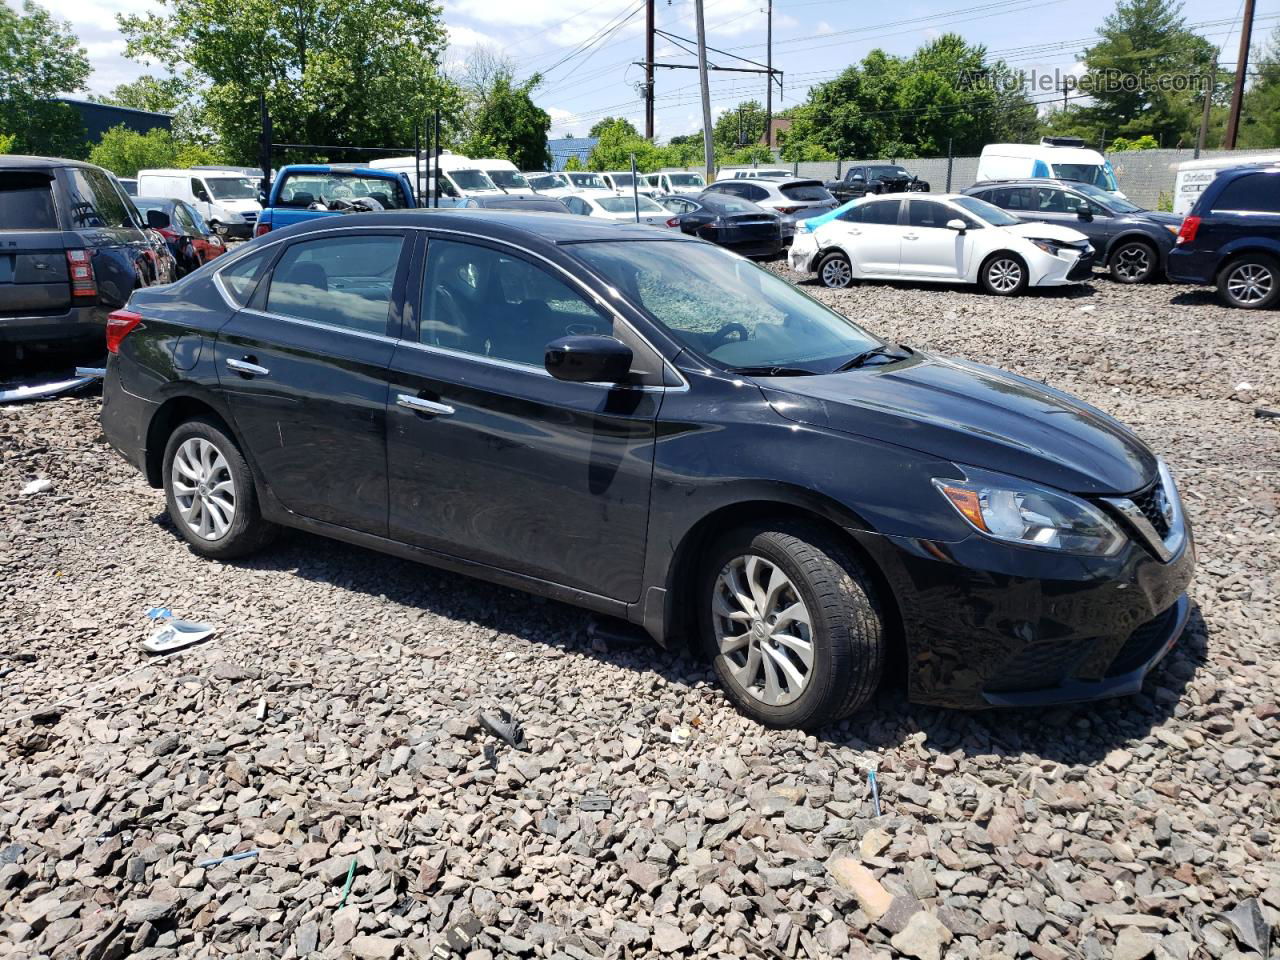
[210,492]
[1250,282]
[835,271]
[1132,262]
[790,620]
[1003,274]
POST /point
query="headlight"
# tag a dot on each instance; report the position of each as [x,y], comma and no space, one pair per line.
[1048,246]
[1017,511]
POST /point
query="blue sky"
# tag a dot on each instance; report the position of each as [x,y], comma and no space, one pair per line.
[813,41]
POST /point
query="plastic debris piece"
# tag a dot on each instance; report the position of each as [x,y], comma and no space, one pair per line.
[680,736]
[461,935]
[159,613]
[875,789]
[1266,413]
[506,727]
[37,391]
[595,801]
[262,709]
[1250,925]
[177,635]
[43,485]
[346,887]
[214,861]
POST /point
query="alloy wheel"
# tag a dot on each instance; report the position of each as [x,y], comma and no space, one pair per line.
[1132,263]
[1004,275]
[763,630]
[837,273]
[1250,283]
[203,488]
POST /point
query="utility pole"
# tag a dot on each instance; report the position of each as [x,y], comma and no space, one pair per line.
[708,146]
[1242,71]
[1208,103]
[768,94]
[648,69]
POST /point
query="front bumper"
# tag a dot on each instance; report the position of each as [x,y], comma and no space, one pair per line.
[804,248]
[987,624]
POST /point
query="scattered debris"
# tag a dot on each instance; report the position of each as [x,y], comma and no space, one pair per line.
[177,635]
[875,789]
[214,861]
[38,391]
[346,887]
[262,708]
[43,485]
[1244,391]
[1266,413]
[505,727]
[680,736]
[593,802]
[1251,927]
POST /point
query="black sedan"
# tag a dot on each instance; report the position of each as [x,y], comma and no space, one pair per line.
[651,427]
[729,221]
[1134,243]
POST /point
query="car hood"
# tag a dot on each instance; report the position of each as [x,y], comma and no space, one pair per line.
[971,414]
[1045,231]
[1156,216]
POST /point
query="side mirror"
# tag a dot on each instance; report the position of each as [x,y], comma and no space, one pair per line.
[1083,212]
[157,219]
[857,178]
[588,359]
[957,225]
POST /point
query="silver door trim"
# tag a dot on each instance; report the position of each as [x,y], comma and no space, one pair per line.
[422,405]
[245,367]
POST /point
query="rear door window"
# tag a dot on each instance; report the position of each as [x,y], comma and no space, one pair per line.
[26,201]
[806,192]
[1011,198]
[241,278]
[928,213]
[340,281]
[1257,193]
[882,212]
[94,200]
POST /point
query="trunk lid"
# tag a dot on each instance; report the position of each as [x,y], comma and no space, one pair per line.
[33,261]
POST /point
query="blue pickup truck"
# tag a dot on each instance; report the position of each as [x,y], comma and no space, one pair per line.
[307,190]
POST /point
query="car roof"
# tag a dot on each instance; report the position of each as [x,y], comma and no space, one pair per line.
[20,161]
[382,172]
[166,201]
[1029,182]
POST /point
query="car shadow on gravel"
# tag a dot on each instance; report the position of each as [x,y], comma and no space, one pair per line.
[1207,297]
[1075,291]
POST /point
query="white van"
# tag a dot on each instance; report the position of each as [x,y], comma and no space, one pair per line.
[506,176]
[459,176]
[228,200]
[753,173]
[676,181]
[1194,175]
[1063,158]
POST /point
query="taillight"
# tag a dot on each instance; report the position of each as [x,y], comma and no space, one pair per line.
[1187,233]
[262,229]
[673,222]
[786,209]
[80,267]
[119,324]
[169,233]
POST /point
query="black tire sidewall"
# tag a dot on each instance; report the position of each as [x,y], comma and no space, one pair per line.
[248,530]
[1262,260]
[835,255]
[1153,260]
[1003,255]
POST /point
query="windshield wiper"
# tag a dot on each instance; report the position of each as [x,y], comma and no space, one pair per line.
[772,371]
[884,350]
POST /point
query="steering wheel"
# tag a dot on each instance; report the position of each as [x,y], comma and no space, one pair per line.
[722,335]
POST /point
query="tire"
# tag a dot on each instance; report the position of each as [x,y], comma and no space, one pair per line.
[1133,261]
[844,638]
[835,271]
[201,453]
[1250,282]
[1003,274]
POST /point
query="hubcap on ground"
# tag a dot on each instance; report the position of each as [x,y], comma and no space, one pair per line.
[763,630]
[1004,275]
[1250,283]
[837,273]
[203,488]
[1133,263]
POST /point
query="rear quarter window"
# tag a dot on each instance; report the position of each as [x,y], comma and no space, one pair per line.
[26,202]
[1257,192]
[806,192]
[94,200]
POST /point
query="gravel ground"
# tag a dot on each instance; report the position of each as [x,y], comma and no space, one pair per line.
[333,721]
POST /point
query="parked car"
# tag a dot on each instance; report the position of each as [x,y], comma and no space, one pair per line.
[505,176]
[1194,175]
[164,265]
[618,208]
[581,180]
[944,238]
[72,249]
[226,198]
[1232,238]
[752,173]
[1061,158]
[1134,243]
[190,240]
[129,184]
[551,184]
[862,179]
[305,191]
[651,427]
[459,176]
[791,198]
[622,182]
[515,201]
[731,222]
[676,181]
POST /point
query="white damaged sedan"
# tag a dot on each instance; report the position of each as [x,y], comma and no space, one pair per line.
[939,238]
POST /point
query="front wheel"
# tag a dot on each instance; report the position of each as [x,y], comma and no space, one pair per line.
[835,271]
[792,624]
[1251,282]
[210,492]
[1133,262]
[1003,275]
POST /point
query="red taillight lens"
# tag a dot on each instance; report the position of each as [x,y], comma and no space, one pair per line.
[169,233]
[673,222]
[1187,233]
[262,229]
[786,209]
[80,268]
[119,324]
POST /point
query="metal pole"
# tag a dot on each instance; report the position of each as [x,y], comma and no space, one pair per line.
[1242,70]
[708,146]
[949,160]
[635,186]
[417,164]
[648,69]
[435,148]
[1208,103]
[768,94]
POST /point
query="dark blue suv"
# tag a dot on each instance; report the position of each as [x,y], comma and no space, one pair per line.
[1231,238]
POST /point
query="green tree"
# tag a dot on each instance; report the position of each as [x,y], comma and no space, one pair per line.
[500,118]
[600,126]
[1260,112]
[342,72]
[1146,40]
[617,143]
[40,58]
[1144,142]
[573,163]
[156,94]
[737,127]
[7,141]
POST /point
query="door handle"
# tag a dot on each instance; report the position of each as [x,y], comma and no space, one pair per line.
[419,405]
[247,369]
[911,236]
